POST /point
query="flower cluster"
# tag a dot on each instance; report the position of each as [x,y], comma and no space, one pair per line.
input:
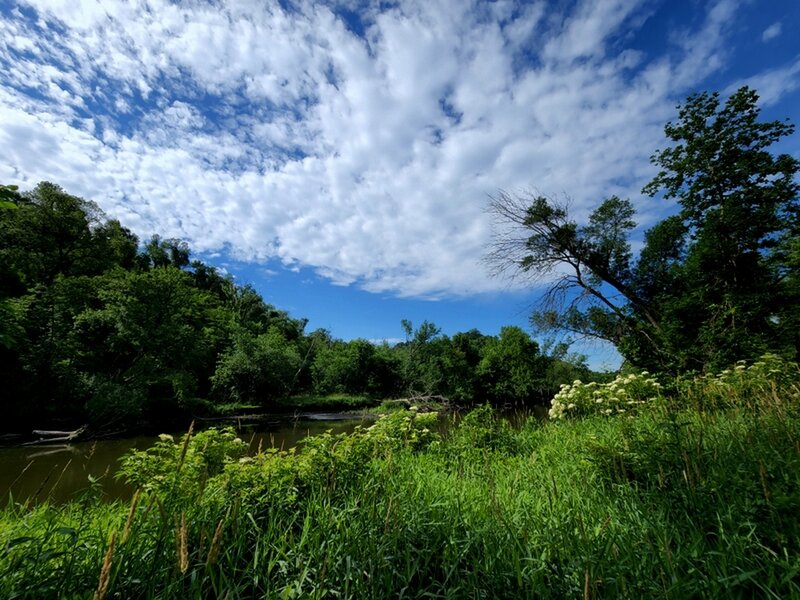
[623,395]
[746,384]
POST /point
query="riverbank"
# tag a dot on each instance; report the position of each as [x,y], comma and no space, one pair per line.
[691,495]
[305,407]
[59,473]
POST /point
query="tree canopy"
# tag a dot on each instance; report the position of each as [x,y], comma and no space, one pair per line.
[96,326]
[712,284]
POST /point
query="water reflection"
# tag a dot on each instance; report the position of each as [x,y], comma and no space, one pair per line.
[62,472]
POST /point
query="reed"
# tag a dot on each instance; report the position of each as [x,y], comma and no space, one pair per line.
[182,545]
[131,514]
[213,550]
[105,570]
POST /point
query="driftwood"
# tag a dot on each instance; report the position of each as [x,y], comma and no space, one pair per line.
[422,401]
[45,433]
[55,437]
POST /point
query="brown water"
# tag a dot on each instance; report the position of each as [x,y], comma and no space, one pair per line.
[62,472]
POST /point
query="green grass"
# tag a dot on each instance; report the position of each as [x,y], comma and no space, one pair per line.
[330,402]
[231,409]
[675,502]
[308,402]
[387,407]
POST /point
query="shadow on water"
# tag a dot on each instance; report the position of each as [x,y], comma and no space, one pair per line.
[59,473]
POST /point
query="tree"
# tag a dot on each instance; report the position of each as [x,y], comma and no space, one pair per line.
[50,233]
[714,283]
[117,246]
[93,330]
[150,333]
[170,252]
[739,217]
[250,312]
[343,367]
[257,369]
[420,375]
[9,332]
[50,381]
[512,369]
[9,197]
[591,292]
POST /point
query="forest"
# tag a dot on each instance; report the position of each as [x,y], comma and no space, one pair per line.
[99,328]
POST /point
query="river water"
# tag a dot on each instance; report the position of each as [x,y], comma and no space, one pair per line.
[59,473]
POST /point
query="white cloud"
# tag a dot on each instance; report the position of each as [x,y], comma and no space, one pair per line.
[281,134]
[773,84]
[771,32]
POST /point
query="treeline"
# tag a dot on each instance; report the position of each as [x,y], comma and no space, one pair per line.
[96,327]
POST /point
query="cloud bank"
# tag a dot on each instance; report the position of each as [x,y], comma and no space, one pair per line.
[355,139]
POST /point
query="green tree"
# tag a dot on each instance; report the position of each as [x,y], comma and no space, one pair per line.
[9,331]
[739,221]
[91,328]
[50,381]
[9,197]
[51,233]
[152,333]
[512,370]
[250,312]
[355,367]
[420,374]
[714,283]
[170,252]
[257,369]
[343,367]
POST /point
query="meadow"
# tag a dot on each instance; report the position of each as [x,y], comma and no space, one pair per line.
[637,488]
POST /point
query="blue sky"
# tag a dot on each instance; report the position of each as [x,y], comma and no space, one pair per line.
[340,155]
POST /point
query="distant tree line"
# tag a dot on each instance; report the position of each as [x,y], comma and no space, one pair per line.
[96,326]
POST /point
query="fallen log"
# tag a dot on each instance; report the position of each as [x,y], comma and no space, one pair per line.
[46,433]
[55,437]
[422,402]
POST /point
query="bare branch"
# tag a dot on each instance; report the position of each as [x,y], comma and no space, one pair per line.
[533,237]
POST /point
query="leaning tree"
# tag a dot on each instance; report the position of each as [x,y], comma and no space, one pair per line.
[715,282]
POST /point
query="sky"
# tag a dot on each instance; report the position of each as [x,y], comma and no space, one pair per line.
[340,156]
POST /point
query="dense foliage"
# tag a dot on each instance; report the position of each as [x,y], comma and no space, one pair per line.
[692,497]
[97,327]
[715,283]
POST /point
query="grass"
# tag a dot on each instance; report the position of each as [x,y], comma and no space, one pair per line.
[678,501]
[323,403]
[330,402]
[308,402]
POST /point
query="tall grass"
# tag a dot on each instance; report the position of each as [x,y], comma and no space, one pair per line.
[691,497]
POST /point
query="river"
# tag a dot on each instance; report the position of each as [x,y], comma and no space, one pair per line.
[61,472]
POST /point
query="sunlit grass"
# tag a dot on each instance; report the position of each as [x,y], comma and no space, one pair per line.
[676,502]
[332,402]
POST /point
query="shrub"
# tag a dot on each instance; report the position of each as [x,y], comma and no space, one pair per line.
[171,468]
[626,394]
[771,380]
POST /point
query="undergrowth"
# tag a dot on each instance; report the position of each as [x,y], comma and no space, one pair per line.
[695,495]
